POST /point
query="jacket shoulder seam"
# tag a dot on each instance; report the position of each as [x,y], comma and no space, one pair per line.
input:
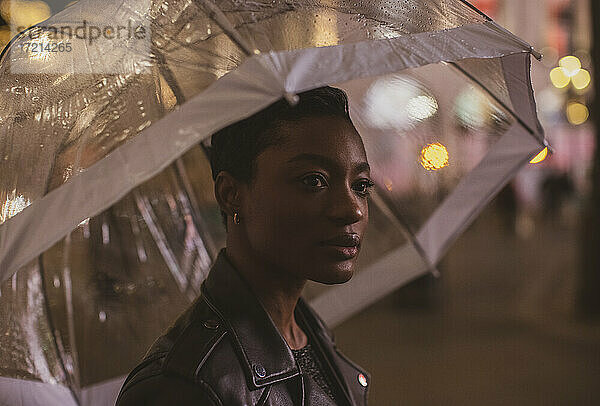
[191,365]
[134,376]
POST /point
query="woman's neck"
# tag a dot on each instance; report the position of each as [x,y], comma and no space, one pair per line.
[276,289]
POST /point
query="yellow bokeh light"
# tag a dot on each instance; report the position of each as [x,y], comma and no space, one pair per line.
[434,156]
[540,157]
[559,77]
[5,36]
[388,183]
[571,64]
[577,113]
[23,14]
[581,79]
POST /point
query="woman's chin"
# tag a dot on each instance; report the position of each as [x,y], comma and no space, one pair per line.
[340,273]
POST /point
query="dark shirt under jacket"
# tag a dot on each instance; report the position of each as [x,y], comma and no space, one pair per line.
[225,350]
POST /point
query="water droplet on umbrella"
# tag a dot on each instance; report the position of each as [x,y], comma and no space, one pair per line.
[145,125]
[17,90]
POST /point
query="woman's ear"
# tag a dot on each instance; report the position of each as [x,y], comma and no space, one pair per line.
[228,193]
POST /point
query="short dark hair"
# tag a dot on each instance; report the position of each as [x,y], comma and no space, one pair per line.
[234,148]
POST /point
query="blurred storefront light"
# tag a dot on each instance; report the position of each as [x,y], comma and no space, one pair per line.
[472,108]
[434,156]
[570,64]
[421,107]
[577,113]
[581,79]
[22,14]
[399,102]
[559,77]
[570,71]
[388,184]
[540,157]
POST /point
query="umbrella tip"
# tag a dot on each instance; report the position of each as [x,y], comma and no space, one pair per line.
[536,54]
[291,98]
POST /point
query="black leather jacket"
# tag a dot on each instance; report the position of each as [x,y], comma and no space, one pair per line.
[225,350]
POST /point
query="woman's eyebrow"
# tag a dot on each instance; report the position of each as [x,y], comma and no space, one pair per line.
[327,162]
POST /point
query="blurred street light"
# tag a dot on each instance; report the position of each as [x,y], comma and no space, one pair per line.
[434,156]
[571,65]
[559,77]
[577,113]
[539,157]
[581,79]
[22,14]
[399,102]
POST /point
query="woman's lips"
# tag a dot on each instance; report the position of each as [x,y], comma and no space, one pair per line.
[344,246]
[342,252]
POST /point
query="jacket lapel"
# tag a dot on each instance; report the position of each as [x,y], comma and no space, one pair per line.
[266,357]
[263,352]
[326,346]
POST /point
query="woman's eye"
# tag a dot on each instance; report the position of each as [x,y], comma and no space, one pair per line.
[314,181]
[364,187]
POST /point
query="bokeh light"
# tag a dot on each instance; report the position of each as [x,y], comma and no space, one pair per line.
[421,107]
[571,65]
[23,14]
[581,79]
[434,156]
[539,157]
[559,77]
[472,108]
[577,113]
[399,102]
[5,36]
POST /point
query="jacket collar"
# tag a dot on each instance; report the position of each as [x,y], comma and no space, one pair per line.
[266,357]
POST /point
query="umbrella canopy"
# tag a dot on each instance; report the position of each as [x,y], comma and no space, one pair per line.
[108,224]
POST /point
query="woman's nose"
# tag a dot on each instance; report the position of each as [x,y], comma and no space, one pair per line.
[346,207]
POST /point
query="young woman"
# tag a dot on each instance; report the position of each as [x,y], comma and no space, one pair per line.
[292,184]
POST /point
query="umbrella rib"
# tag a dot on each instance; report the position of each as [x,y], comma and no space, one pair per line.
[170,78]
[179,165]
[49,318]
[475,9]
[215,14]
[53,331]
[496,99]
[403,225]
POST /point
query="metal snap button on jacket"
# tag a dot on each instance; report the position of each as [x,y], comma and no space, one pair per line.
[260,371]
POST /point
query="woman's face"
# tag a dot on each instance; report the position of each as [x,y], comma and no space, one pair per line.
[306,210]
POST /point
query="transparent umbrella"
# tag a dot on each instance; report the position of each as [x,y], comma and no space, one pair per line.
[108,225]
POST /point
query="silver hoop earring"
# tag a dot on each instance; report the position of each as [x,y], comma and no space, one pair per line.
[236,218]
